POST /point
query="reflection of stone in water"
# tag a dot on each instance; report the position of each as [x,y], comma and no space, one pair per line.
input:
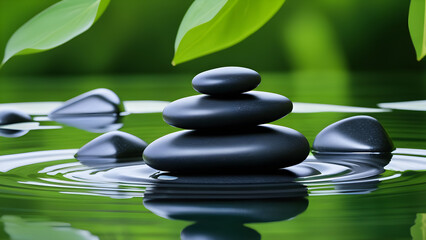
[217,231]
[221,210]
[364,170]
[12,133]
[92,123]
[363,160]
[19,228]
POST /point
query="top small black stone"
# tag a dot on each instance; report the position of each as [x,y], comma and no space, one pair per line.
[226,81]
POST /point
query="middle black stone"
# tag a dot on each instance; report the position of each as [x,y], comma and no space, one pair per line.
[241,110]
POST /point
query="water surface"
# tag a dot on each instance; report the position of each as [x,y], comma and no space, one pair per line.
[46,194]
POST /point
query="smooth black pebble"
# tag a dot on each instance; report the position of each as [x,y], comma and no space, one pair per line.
[226,81]
[11,116]
[354,134]
[248,109]
[256,149]
[98,101]
[114,146]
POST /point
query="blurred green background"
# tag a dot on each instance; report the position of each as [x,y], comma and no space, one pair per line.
[137,37]
[344,52]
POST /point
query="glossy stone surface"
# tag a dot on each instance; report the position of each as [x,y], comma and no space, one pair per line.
[248,109]
[98,101]
[13,116]
[256,149]
[354,134]
[226,81]
[114,146]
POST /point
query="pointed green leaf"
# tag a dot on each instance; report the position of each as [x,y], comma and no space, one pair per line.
[102,7]
[417,26]
[210,26]
[54,26]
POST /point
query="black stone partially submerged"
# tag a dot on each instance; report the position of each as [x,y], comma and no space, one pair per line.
[110,147]
[354,134]
[97,111]
[11,116]
[95,102]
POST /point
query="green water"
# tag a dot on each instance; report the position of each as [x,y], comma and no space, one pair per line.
[394,208]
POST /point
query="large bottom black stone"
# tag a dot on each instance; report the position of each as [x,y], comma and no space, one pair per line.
[256,149]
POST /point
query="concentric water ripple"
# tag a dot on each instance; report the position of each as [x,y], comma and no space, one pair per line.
[58,171]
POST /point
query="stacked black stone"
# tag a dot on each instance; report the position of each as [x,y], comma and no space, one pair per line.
[225,133]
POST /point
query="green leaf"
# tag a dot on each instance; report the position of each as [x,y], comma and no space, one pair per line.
[417,26]
[54,26]
[102,7]
[209,26]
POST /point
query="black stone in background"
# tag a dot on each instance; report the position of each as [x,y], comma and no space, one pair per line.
[354,134]
[11,116]
[110,147]
[98,101]
[226,81]
[240,111]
